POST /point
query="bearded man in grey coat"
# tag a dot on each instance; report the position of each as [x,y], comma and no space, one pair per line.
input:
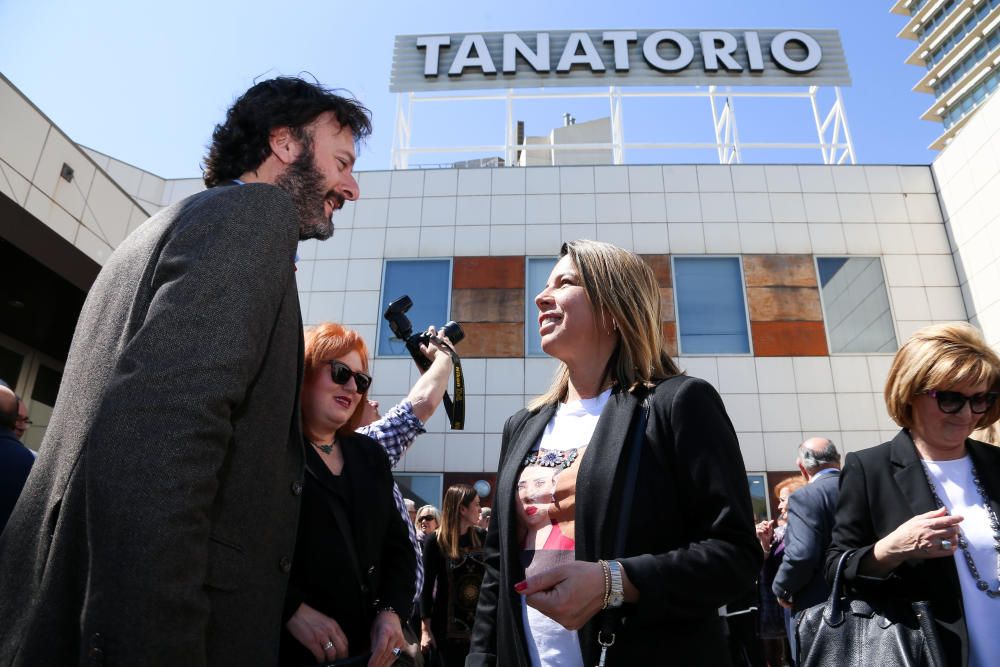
[158,524]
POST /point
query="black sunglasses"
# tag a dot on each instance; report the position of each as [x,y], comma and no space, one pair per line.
[951,402]
[426,517]
[341,373]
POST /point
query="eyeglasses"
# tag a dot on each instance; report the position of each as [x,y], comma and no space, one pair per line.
[341,373]
[424,519]
[950,402]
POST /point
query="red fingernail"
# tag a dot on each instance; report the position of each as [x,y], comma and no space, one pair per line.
[520,586]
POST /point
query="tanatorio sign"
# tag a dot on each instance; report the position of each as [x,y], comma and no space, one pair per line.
[741,57]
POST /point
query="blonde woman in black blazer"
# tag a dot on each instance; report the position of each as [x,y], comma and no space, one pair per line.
[909,548]
[690,543]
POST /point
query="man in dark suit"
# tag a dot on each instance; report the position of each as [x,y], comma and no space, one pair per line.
[15,459]
[158,524]
[801,581]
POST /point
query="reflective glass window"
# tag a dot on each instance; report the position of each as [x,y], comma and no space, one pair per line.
[856,305]
[428,284]
[711,308]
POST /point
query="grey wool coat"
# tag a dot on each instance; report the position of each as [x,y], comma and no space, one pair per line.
[159,521]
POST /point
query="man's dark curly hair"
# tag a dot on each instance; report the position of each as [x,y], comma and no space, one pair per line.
[241,144]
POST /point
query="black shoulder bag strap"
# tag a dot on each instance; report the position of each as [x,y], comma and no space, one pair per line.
[611,618]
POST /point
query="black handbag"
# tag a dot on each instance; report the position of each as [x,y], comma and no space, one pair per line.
[847,631]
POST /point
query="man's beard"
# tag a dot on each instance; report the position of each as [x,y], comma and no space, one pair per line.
[304,184]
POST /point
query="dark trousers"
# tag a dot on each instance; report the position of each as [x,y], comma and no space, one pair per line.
[793,641]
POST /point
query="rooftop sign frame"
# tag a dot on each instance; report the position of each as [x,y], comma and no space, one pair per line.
[624,58]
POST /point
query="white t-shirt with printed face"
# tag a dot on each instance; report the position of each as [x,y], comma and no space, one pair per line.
[547,522]
[954,486]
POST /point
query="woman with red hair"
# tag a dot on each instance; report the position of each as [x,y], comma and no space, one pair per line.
[351,579]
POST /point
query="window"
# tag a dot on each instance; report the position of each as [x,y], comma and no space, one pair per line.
[758,495]
[538,269]
[421,489]
[428,284]
[855,305]
[711,308]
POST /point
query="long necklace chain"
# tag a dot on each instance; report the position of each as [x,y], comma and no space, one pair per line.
[962,542]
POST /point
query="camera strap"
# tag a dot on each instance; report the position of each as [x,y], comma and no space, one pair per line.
[456,408]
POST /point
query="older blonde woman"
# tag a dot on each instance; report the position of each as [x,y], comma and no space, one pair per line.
[922,508]
[689,540]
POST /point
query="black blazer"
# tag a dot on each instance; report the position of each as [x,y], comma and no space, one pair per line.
[802,574]
[690,544]
[324,574]
[880,489]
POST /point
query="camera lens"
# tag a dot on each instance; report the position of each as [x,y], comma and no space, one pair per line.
[453,330]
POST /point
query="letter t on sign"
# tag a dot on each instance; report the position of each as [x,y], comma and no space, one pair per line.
[433,44]
[621,39]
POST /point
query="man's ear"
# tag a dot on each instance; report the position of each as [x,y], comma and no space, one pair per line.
[284,146]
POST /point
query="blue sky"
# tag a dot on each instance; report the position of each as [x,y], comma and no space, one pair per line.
[146,82]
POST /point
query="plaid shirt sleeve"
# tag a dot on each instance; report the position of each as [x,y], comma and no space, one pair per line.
[395,431]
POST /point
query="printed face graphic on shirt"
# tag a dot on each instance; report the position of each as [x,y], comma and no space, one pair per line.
[535,490]
[547,494]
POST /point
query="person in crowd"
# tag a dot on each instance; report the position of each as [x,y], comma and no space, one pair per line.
[22,424]
[411,510]
[775,621]
[15,459]
[689,540]
[158,524]
[352,578]
[453,565]
[921,510]
[801,579]
[428,521]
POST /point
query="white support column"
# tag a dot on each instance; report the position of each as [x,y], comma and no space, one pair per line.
[511,134]
[617,131]
[717,125]
[402,132]
[820,128]
[733,133]
[849,148]
[727,138]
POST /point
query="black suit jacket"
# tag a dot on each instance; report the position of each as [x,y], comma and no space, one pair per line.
[883,487]
[158,524]
[802,574]
[690,544]
[348,587]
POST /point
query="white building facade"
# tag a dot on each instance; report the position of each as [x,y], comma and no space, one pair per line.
[788,287]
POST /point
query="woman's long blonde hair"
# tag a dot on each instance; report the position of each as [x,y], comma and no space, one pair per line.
[625,296]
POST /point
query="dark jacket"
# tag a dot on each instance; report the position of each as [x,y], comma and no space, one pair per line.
[802,575]
[327,576]
[158,524]
[690,544]
[15,464]
[880,489]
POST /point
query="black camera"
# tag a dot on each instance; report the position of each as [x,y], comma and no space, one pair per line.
[395,314]
[401,327]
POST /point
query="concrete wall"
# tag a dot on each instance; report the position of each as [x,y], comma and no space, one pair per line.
[968,176]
